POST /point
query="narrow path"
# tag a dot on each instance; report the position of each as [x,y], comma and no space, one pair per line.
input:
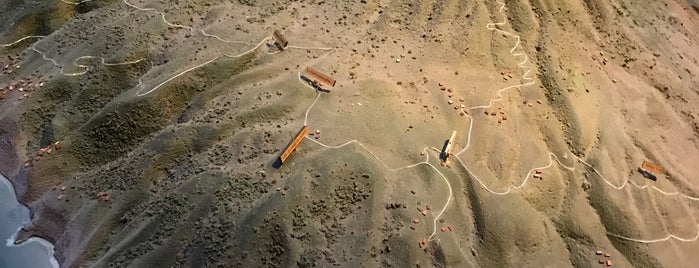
[75,3]
[21,39]
[552,157]
[670,236]
[394,170]
[139,93]
[162,15]
[81,66]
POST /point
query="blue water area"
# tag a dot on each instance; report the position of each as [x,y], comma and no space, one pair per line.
[35,253]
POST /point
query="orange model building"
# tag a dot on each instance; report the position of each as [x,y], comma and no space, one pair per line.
[293,144]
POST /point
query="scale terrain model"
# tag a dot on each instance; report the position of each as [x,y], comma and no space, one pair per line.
[440,133]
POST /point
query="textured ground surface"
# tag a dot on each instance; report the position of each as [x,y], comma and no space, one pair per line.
[179,109]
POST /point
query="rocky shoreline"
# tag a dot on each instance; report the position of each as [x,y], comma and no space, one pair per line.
[23,236]
[47,219]
[40,226]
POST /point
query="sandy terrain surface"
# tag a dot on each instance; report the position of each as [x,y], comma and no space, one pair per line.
[178,110]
